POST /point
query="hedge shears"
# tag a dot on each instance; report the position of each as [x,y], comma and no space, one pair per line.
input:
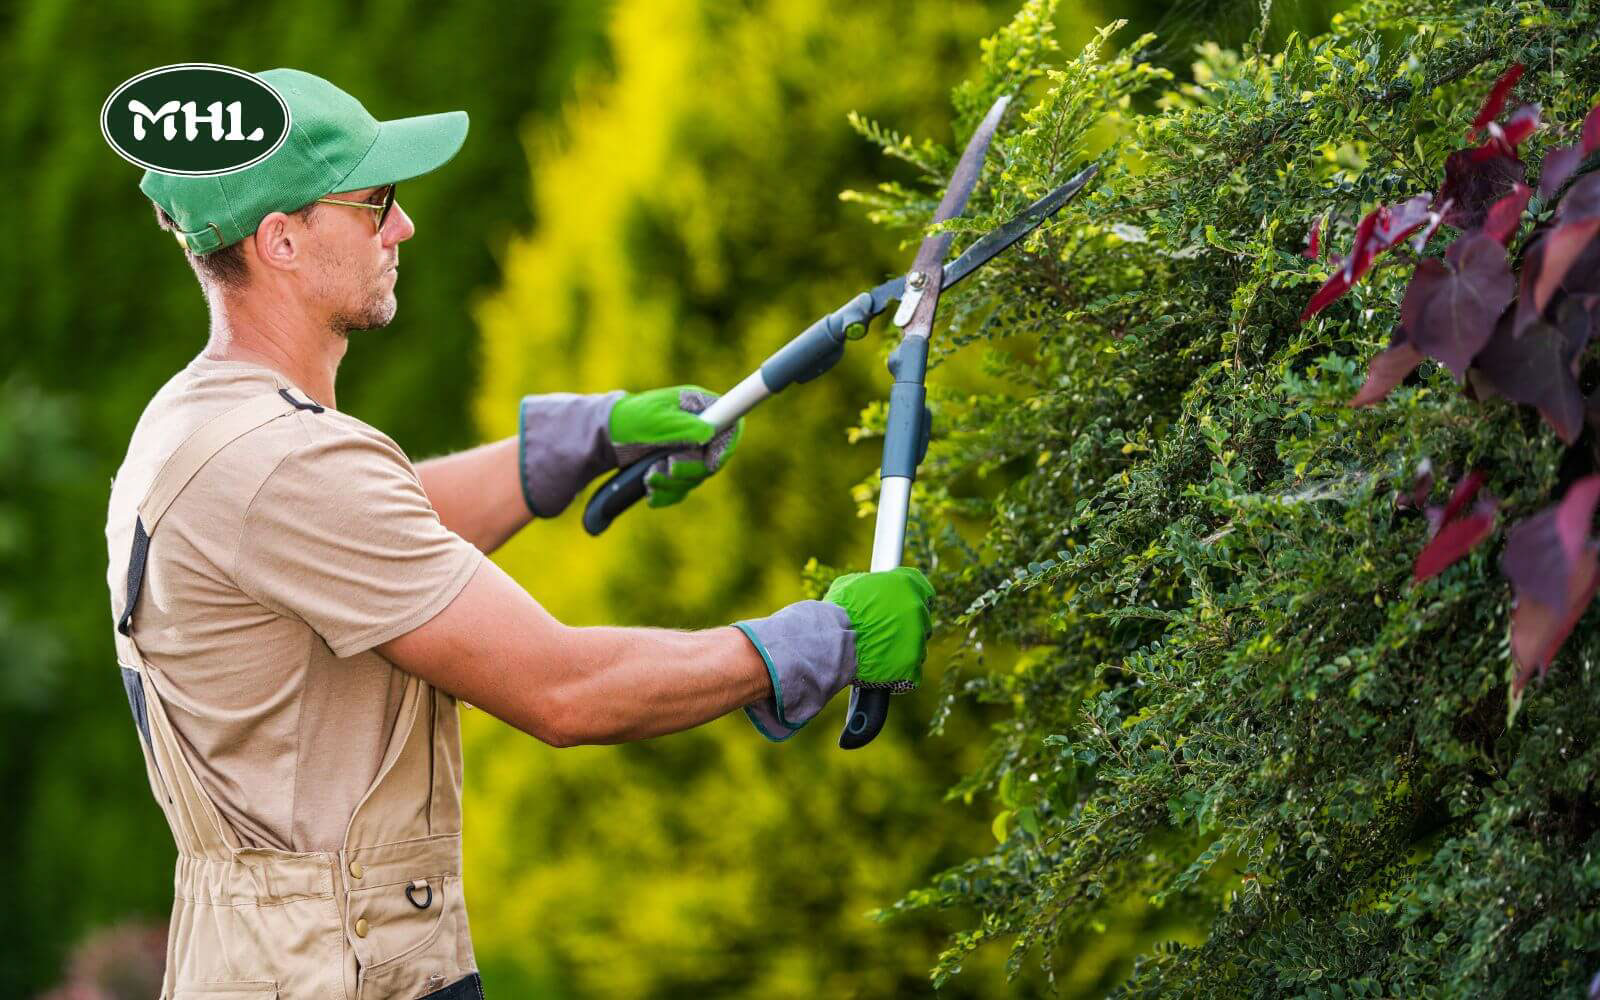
[821,345]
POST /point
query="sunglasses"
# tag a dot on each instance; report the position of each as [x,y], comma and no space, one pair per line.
[381,208]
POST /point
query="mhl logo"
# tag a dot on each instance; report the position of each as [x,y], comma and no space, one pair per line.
[195,120]
[167,117]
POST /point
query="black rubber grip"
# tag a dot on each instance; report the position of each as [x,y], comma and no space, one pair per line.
[869,709]
[620,492]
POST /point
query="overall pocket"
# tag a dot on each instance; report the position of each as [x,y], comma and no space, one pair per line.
[397,919]
[228,991]
[410,948]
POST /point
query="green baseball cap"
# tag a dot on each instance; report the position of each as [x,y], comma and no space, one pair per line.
[334,144]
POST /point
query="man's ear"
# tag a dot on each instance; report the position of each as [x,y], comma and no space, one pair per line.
[278,242]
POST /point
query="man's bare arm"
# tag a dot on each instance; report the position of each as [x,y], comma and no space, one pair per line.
[495,647]
[478,493]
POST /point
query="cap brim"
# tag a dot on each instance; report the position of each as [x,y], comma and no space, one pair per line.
[407,148]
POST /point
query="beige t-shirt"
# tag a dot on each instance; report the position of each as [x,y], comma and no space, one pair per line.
[298,548]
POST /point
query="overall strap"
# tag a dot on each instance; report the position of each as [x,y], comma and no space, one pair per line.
[189,458]
[198,828]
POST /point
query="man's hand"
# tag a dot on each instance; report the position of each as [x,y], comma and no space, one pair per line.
[667,418]
[892,616]
[566,440]
[871,629]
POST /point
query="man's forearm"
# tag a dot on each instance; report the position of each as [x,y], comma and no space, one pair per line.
[626,684]
[495,647]
[478,493]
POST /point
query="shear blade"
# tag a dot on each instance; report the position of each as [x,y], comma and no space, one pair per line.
[932,253]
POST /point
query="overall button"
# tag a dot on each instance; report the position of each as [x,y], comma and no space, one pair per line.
[357,869]
[361,927]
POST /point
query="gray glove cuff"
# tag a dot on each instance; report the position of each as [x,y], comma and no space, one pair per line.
[563,442]
[810,651]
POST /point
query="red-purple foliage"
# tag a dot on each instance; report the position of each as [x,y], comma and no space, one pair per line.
[1388,368]
[1381,229]
[1551,562]
[1454,530]
[1451,306]
[1509,135]
[1505,215]
[1539,368]
[1421,488]
[1495,102]
[1313,248]
[1474,179]
[1559,163]
[1577,222]
[1521,336]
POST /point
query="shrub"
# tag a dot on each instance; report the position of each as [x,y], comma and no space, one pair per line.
[1173,553]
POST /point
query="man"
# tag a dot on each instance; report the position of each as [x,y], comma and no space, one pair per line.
[298,608]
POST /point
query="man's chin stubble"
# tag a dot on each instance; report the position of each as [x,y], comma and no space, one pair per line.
[377,315]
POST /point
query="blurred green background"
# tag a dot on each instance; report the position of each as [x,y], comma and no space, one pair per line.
[648,195]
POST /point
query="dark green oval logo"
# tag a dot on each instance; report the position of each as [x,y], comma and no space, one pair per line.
[195,120]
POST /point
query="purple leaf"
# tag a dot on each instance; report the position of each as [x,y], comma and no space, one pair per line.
[1536,369]
[1518,127]
[1575,319]
[1313,240]
[1337,284]
[1454,540]
[1564,256]
[1538,629]
[1578,219]
[1388,369]
[1463,494]
[1550,561]
[1396,223]
[1591,130]
[1450,307]
[1459,498]
[1582,279]
[1532,267]
[1379,230]
[1435,216]
[1496,101]
[1582,200]
[1542,550]
[1455,530]
[1505,215]
[1474,179]
[1558,251]
[1421,486]
[1558,165]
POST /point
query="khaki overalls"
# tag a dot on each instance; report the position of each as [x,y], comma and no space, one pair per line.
[382,917]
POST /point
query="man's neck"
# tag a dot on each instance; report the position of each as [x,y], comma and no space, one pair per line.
[305,355]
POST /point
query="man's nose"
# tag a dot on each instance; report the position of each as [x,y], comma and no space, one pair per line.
[397,228]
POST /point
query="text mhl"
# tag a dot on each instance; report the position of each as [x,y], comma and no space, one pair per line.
[167,116]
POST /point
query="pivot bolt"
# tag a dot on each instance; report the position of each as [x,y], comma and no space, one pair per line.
[916,281]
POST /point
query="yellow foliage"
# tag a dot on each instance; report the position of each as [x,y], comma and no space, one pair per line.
[688,223]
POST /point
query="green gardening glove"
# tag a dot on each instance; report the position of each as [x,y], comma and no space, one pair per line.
[870,629]
[890,613]
[644,422]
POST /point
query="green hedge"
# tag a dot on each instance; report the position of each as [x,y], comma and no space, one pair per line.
[1173,553]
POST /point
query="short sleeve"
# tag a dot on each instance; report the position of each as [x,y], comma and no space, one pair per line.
[342,537]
